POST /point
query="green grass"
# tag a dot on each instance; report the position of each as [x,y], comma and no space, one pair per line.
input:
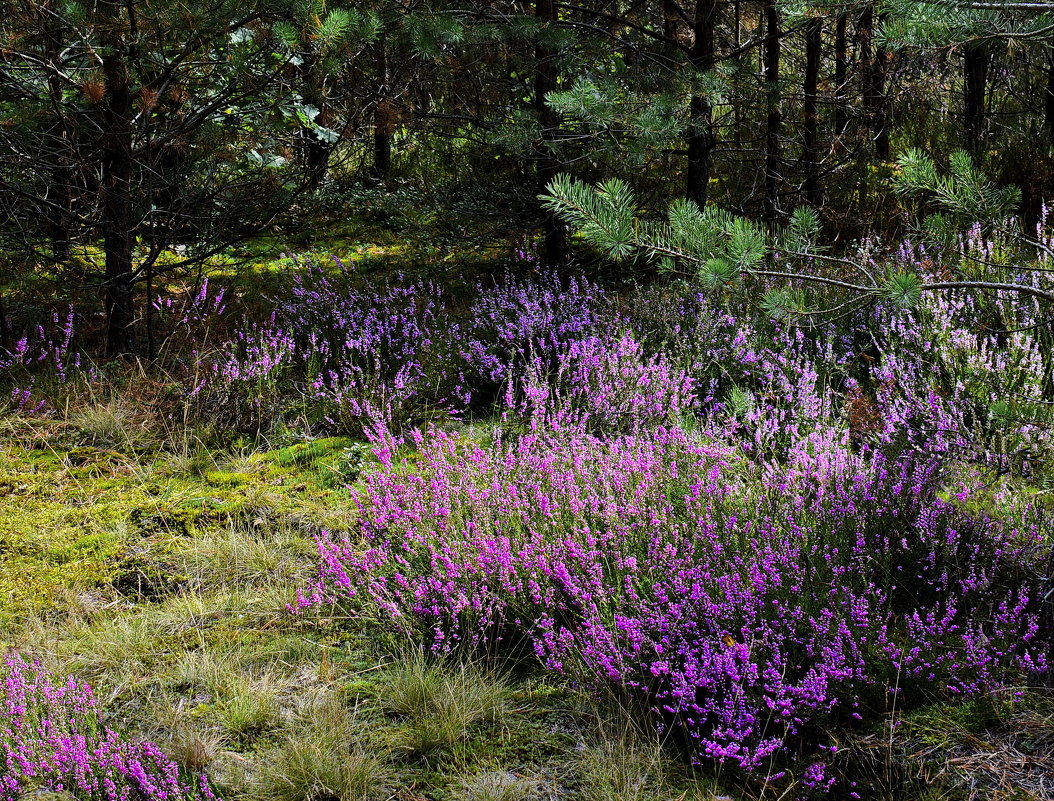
[161,575]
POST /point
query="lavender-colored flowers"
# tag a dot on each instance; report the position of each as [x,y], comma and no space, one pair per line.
[44,351]
[748,526]
[762,531]
[750,608]
[52,738]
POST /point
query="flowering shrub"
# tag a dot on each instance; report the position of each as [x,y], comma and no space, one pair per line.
[518,320]
[51,738]
[374,355]
[359,357]
[351,358]
[43,352]
[602,384]
[746,619]
[750,525]
[244,382]
[971,378]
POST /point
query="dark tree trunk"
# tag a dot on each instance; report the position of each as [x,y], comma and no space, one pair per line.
[810,113]
[873,64]
[5,326]
[316,152]
[60,218]
[700,136]
[880,103]
[383,121]
[671,20]
[1048,105]
[976,60]
[554,242]
[773,118]
[841,74]
[116,187]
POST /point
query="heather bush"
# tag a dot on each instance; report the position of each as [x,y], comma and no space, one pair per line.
[751,606]
[248,382]
[601,385]
[348,358]
[42,360]
[971,375]
[374,355]
[53,739]
[518,321]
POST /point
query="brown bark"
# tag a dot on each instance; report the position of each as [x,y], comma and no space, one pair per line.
[841,73]
[976,61]
[810,113]
[316,152]
[116,186]
[700,136]
[1048,105]
[554,242]
[773,117]
[873,63]
[383,121]
[671,21]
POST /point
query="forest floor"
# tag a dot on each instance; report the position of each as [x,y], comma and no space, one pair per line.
[139,555]
[162,576]
[161,571]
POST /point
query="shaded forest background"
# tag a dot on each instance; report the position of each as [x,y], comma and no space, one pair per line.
[141,138]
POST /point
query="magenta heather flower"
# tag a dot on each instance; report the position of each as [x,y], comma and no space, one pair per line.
[750,604]
[52,738]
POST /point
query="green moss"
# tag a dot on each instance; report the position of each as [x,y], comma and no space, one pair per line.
[220,478]
[306,453]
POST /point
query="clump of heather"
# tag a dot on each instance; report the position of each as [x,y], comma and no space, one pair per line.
[357,357]
[971,375]
[44,353]
[52,739]
[374,355]
[602,384]
[250,380]
[351,358]
[519,320]
[752,605]
[187,324]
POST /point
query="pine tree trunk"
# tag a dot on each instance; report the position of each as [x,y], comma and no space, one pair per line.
[737,41]
[316,152]
[116,186]
[60,217]
[700,136]
[841,74]
[1048,105]
[554,243]
[671,21]
[5,326]
[773,118]
[810,113]
[976,60]
[873,65]
[382,121]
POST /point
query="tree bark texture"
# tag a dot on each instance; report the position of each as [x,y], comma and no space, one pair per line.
[773,117]
[873,66]
[554,242]
[976,61]
[841,73]
[700,136]
[116,187]
[810,113]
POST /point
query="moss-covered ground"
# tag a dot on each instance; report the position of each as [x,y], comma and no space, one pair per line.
[162,574]
[160,569]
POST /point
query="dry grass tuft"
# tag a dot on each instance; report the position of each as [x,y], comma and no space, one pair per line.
[439,703]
